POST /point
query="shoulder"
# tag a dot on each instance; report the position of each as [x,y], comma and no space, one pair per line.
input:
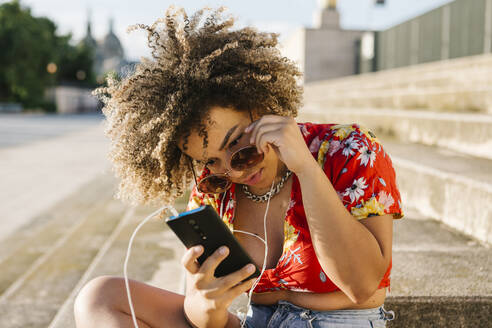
[334,131]
[355,162]
[313,133]
[334,139]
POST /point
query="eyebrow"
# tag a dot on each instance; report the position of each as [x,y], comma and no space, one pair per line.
[227,136]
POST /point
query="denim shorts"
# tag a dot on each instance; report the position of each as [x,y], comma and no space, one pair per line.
[287,315]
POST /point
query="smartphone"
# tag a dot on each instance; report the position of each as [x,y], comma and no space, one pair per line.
[203,226]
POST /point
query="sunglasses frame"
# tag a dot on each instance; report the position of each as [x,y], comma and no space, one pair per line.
[229,182]
[225,175]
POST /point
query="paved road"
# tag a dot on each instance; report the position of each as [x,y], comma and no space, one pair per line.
[43,159]
[17,129]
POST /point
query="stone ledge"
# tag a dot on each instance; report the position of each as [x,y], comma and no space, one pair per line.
[426,311]
[464,133]
[454,85]
[469,68]
[462,203]
[155,259]
[433,260]
[439,311]
[465,100]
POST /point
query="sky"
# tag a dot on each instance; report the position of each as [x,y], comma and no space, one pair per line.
[281,16]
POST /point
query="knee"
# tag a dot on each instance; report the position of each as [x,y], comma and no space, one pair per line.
[98,295]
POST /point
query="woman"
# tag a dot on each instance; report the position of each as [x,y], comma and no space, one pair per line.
[207,97]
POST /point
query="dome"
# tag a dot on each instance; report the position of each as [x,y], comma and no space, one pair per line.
[111,46]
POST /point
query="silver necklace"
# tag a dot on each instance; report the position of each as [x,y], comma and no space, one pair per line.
[265,197]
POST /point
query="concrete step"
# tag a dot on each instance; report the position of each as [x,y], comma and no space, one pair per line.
[457,85]
[453,188]
[31,241]
[440,277]
[46,283]
[458,72]
[155,259]
[56,229]
[463,133]
[468,99]
[396,80]
[44,286]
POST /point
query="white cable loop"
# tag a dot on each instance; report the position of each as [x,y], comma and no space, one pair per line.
[175,213]
[125,265]
[250,294]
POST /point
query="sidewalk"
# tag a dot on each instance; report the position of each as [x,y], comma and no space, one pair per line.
[43,159]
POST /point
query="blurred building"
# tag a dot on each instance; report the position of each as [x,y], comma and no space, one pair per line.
[109,53]
[325,51]
[109,56]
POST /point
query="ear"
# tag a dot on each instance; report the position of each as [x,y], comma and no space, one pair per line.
[179,145]
[255,115]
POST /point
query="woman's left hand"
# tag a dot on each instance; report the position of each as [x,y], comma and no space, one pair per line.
[283,134]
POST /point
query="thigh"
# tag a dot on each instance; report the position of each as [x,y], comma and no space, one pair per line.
[154,306]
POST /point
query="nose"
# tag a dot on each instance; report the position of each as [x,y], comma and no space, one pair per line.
[234,174]
[228,171]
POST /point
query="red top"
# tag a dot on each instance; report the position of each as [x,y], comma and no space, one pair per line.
[363,176]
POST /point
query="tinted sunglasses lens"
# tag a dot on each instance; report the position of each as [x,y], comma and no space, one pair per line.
[245,158]
[214,184]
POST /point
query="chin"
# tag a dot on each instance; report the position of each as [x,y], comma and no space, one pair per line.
[267,176]
[266,181]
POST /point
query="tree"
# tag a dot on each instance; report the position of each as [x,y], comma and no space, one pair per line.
[75,63]
[34,57]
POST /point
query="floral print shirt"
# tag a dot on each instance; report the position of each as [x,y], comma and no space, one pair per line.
[363,176]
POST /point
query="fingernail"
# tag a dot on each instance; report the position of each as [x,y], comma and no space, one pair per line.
[250,268]
[197,249]
[223,250]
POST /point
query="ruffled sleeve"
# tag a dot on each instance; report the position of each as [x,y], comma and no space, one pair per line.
[360,170]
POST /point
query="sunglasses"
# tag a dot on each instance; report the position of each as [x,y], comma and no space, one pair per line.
[242,159]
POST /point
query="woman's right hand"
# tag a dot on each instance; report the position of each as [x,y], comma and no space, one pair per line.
[208,297]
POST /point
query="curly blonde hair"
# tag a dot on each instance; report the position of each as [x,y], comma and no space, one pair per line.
[193,67]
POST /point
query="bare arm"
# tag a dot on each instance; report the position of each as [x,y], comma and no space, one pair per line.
[354,254]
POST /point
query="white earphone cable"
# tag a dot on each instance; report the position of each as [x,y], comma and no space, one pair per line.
[125,265]
[265,241]
[175,213]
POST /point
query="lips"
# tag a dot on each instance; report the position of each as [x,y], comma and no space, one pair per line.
[253,178]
